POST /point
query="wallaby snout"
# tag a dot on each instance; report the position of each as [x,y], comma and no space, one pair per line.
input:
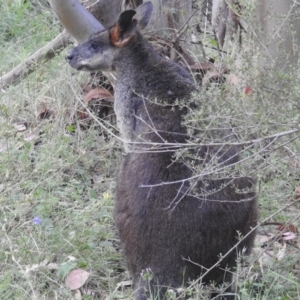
[75,60]
[70,57]
[96,54]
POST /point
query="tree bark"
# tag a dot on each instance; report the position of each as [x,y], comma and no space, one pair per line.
[169,15]
[79,22]
[279,30]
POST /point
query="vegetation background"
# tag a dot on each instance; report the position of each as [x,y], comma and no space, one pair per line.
[58,164]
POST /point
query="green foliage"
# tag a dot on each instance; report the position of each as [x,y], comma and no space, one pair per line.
[65,268]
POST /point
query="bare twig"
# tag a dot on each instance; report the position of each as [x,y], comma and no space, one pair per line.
[214,171]
[160,146]
[178,34]
[96,120]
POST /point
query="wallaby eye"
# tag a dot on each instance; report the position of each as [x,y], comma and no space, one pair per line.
[94,46]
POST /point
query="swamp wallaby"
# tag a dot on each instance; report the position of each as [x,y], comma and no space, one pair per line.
[164,228]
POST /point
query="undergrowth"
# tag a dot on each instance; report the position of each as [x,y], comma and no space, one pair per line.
[57,175]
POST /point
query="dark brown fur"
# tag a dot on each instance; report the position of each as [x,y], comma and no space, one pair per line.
[166,228]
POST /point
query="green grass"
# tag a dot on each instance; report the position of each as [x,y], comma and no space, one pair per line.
[62,174]
[65,179]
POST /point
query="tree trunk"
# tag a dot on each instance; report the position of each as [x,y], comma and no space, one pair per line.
[169,14]
[279,30]
[166,15]
[76,19]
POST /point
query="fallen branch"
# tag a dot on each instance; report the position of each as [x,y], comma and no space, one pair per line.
[29,65]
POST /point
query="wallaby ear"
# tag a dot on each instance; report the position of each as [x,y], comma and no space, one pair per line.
[125,28]
[143,15]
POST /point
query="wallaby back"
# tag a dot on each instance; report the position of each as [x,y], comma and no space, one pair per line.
[167,225]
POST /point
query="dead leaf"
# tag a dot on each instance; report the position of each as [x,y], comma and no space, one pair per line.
[86,87]
[287,228]
[201,67]
[46,114]
[20,126]
[42,110]
[82,115]
[36,267]
[76,279]
[297,195]
[287,236]
[32,135]
[77,295]
[98,93]
[123,284]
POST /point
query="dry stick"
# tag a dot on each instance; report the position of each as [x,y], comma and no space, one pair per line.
[30,64]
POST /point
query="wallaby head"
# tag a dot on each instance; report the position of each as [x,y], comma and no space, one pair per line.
[101,50]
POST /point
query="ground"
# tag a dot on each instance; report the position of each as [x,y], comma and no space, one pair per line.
[58,168]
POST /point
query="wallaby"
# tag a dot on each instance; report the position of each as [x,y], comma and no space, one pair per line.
[166,230]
